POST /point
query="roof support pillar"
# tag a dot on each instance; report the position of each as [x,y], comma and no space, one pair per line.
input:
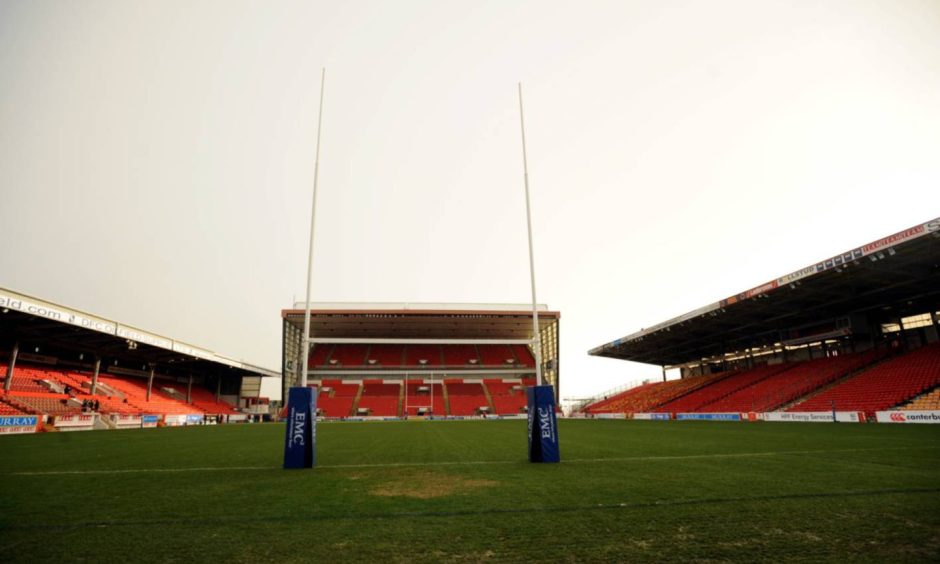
[903,334]
[153,368]
[218,389]
[664,373]
[10,369]
[94,376]
[932,333]
[189,389]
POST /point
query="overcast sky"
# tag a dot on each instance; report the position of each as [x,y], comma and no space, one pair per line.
[156,158]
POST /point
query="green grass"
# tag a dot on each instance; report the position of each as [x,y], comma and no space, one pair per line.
[462,491]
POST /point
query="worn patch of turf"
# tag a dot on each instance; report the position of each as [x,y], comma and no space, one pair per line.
[463,491]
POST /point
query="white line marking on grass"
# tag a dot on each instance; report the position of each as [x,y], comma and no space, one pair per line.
[142,470]
[471,462]
[740,454]
[406,464]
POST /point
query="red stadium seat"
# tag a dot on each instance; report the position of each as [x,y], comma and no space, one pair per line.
[797,381]
[496,355]
[36,389]
[508,397]
[425,398]
[465,399]
[386,355]
[460,355]
[380,399]
[336,398]
[430,354]
[349,355]
[883,386]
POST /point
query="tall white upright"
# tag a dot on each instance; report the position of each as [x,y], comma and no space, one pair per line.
[313,220]
[536,340]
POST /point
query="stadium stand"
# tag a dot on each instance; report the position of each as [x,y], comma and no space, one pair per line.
[496,355]
[397,350]
[379,398]
[135,393]
[884,386]
[53,351]
[205,401]
[794,382]
[336,398]
[349,355]
[8,409]
[647,397]
[699,400]
[321,355]
[432,355]
[508,397]
[41,390]
[460,355]
[27,379]
[524,356]
[817,323]
[465,398]
[924,402]
[420,401]
[44,403]
[386,355]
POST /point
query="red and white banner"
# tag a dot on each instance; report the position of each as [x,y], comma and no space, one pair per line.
[76,422]
[900,237]
[126,421]
[174,420]
[908,416]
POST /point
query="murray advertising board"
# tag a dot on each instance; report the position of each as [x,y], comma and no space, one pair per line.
[18,424]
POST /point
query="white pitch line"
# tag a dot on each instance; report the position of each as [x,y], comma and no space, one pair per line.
[471,462]
[141,470]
